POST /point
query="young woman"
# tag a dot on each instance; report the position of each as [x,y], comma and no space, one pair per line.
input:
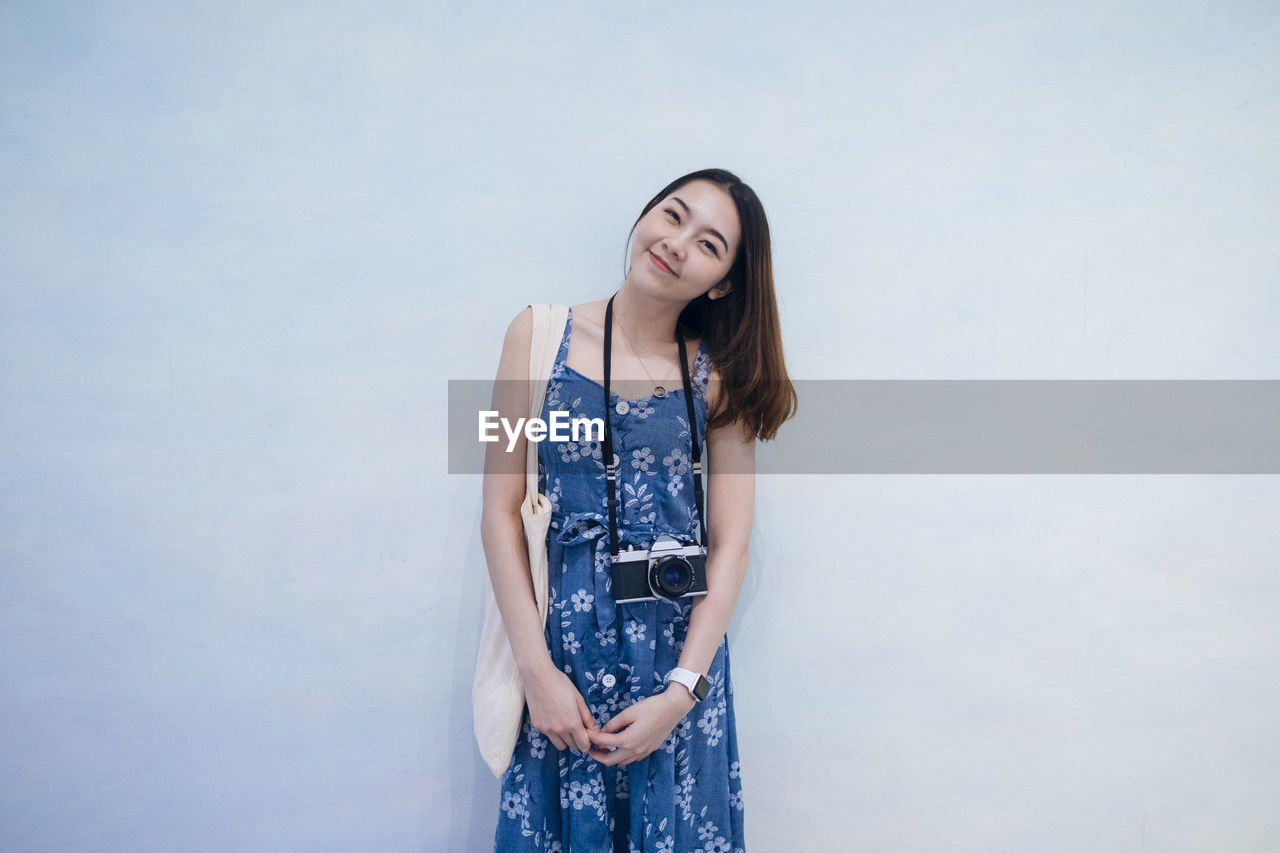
[628,739]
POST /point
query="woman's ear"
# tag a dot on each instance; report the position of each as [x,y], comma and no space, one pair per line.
[721,289]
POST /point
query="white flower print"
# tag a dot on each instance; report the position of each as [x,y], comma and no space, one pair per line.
[677,463]
[642,459]
[700,373]
[614,702]
[582,601]
[707,831]
[684,797]
[635,631]
[511,804]
[641,498]
[641,409]
[569,451]
[608,636]
[622,788]
[666,845]
[573,451]
[684,429]
[735,770]
[571,644]
[716,845]
[584,796]
[674,486]
[708,724]
[578,795]
[676,643]
[679,733]
[537,743]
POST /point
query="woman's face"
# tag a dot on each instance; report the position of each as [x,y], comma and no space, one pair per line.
[686,244]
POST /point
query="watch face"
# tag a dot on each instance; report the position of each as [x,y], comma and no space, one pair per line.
[702,688]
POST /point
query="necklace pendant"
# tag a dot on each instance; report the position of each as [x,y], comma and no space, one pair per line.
[659,391]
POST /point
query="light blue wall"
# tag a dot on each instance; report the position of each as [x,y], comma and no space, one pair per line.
[244,246]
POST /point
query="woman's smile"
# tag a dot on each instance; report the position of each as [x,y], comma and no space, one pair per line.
[660,264]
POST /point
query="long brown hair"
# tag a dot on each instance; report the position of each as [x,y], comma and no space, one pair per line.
[741,328]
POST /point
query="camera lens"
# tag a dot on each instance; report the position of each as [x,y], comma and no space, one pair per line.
[671,577]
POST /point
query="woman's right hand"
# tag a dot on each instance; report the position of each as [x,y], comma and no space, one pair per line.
[557,709]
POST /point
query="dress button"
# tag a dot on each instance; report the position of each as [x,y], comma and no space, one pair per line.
[608,681]
[622,408]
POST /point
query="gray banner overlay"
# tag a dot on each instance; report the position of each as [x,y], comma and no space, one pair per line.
[989,427]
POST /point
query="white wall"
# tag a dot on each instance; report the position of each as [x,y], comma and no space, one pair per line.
[243,249]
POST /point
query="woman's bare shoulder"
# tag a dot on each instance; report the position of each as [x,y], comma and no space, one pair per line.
[520,329]
[590,314]
[587,340]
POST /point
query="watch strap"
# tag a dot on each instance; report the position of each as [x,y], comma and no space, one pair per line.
[695,682]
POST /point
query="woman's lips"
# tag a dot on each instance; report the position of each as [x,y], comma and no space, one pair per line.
[657,262]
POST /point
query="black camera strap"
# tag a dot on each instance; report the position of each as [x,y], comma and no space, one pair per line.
[611,466]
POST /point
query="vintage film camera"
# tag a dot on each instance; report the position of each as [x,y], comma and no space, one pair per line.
[667,569]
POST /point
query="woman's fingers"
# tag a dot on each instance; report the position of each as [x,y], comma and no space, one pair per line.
[618,757]
[605,739]
[585,713]
[610,748]
[557,709]
[624,718]
[568,735]
[580,739]
[606,757]
[616,748]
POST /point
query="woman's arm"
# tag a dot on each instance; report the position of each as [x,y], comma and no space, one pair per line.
[556,708]
[641,728]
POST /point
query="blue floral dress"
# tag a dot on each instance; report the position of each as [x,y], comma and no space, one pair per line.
[687,795]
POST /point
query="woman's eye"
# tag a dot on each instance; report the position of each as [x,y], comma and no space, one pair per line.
[673,214]
[712,247]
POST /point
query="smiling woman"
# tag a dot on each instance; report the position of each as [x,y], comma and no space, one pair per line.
[628,739]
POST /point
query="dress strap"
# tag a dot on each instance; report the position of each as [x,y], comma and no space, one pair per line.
[563,352]
[701,371]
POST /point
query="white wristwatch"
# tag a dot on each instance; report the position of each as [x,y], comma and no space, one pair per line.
[695,682]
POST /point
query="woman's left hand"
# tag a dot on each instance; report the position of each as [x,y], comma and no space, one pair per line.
[639,729]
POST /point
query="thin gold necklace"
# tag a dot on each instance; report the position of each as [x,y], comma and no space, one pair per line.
[658,390]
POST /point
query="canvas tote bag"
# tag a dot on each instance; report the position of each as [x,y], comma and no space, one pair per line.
[497,694]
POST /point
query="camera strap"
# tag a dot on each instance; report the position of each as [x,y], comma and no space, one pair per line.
[611,466]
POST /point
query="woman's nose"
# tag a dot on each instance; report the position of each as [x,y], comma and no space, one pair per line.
[674,245]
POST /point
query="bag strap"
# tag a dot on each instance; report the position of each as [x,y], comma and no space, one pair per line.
[544,346]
